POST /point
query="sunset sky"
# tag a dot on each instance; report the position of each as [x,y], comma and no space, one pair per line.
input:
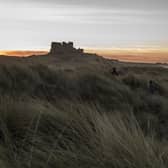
[108,25]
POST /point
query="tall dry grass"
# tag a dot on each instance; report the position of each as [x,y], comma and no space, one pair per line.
[78,135]
[53,117]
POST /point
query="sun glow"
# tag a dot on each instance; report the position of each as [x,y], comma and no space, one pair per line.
[136,54]
[148,55]
[22,53]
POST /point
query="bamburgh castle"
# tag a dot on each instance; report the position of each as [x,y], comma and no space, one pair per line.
[64,48]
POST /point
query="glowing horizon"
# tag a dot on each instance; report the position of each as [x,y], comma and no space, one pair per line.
[22,53]
[143,54]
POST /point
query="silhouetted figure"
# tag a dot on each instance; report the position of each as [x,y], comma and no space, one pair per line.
[153,87]
[114,72]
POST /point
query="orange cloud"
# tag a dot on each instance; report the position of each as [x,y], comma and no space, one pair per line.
[22,53]
[147,55]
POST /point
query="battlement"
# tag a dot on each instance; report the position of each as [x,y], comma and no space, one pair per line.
[64,48]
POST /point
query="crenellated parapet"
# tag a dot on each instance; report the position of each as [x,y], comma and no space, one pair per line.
[64,48]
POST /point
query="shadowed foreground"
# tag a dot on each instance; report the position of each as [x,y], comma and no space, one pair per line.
[55,116]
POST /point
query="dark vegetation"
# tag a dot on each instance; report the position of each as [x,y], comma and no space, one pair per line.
[53,118]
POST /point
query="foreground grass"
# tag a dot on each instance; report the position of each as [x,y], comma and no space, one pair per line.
[65,118]
[83,136]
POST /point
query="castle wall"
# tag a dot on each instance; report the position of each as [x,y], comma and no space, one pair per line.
[63,48]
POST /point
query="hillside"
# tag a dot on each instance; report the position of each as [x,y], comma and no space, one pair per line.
[71,110]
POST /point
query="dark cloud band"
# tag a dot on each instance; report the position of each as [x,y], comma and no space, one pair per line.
[130,4]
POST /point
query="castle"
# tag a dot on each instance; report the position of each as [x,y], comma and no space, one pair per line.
[64,48]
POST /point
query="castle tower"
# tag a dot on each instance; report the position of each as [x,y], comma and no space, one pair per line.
[56,48]
[64,48]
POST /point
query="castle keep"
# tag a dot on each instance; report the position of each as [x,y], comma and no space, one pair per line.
[64,48]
